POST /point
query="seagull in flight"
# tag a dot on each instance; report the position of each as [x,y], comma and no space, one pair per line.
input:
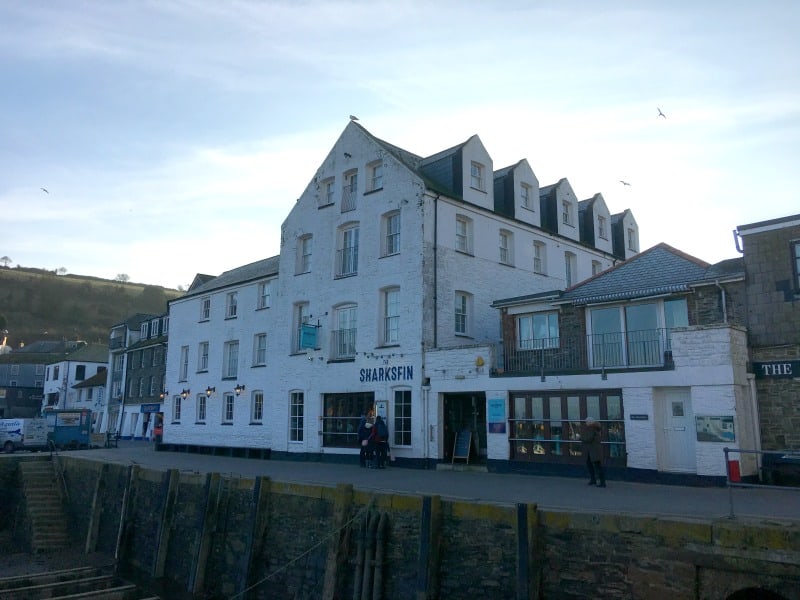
[44,190]
[353,118]
[661,114]
[624,182]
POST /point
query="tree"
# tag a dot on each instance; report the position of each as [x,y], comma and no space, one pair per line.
[5,260]
[61,270]
[122,278]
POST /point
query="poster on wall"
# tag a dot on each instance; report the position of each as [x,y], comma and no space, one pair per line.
[715,429]
[496,415]
[381,409]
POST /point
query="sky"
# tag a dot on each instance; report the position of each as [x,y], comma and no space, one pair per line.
[173,137]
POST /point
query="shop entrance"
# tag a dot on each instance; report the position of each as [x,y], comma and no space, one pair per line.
[465,411]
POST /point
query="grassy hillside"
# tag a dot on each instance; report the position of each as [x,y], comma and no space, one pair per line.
[40,305]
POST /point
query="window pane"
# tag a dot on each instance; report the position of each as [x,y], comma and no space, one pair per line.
[606,337]
[556,426]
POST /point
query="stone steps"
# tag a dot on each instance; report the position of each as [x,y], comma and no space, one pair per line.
[82,583]
[44,506]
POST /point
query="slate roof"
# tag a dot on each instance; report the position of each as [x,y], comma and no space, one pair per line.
[99,379]
[660,270]
[251,272]
[135,321]
[88,353]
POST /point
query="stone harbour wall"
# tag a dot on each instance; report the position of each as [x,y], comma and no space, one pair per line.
[208,536]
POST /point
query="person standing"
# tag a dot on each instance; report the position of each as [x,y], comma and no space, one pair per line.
[593,448]
[380,438]
[364,441]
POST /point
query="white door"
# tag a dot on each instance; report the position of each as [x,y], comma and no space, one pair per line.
[679,436]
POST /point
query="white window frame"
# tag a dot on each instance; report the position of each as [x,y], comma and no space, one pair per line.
[205,308]
[596,267]
[230,359]
[391,233]
[477,179]
[144,329]
[265,294]
[176,409]
[402,417]
[390,300]
[566,212]
[228,407]
[183,374]
[539,257]
[257,407]
[300,318]
[525,191]
[296,416]
[528,325]
[570,268]
[463,234]
[305,245]
[231,305]
[202,357]
[632,245]
[202,408]
[506,247]
[375,175]
[259,349]
[345,322]
[602,230]
[328,194]
[347,252]
[153,388]
[461,313]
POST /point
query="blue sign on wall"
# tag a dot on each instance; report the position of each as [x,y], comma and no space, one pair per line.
[308,336]
[151,408]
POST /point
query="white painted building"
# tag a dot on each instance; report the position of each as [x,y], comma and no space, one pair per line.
[388,262]
[81,362]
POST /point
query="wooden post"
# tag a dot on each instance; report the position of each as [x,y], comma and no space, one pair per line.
[259,517]
[169,493]
[339,542]
[428,559]
[206,525]
[97,507]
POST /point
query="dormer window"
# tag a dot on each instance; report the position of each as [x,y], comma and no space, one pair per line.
[154,327]
[601,228]
[525,196]
[566,212]
[477,176]
[632,239]
[143,329]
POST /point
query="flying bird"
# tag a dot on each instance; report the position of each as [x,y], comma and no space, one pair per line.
[353,118]
[624,182]
[44,190]
[661,114]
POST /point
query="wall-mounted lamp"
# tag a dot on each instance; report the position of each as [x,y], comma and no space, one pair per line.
[238,389]
[210,390]
[163,394]
[185,394]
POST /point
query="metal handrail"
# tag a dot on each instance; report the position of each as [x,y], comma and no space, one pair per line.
[55,458]
[740,484]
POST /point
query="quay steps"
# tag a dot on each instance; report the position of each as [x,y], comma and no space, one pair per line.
[45,508]
[82,583]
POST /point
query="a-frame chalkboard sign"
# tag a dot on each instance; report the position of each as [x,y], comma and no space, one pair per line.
[462,445]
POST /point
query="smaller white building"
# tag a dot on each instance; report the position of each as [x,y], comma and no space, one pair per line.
[81,362]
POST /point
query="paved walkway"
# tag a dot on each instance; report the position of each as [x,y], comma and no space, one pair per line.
[551,493]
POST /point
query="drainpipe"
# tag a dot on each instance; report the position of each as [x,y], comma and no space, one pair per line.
[754,417]
[724,301]
[435,270]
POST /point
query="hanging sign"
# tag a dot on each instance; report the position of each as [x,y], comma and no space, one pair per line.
[308,336]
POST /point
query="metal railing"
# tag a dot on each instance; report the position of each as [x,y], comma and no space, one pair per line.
[622,350]
[770,464]
[343,343]
[348,198]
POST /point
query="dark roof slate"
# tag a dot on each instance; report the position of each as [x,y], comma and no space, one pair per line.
[660,270]
[95,380]
[256,270]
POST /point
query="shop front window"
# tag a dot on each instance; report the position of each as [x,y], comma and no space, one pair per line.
[341,418]
[546,427]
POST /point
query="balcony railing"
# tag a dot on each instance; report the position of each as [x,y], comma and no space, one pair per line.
[348,198]
[347,262]
[648,348]
[343,343]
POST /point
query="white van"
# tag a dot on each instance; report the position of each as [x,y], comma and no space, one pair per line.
[23,434]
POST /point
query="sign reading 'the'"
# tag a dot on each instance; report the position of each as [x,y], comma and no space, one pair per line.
[777,369]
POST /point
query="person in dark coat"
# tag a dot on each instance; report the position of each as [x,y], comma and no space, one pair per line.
[593,448]
[380,440]
[364,441]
